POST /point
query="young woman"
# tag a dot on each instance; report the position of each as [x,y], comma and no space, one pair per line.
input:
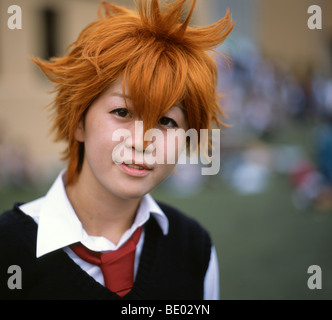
[98,233]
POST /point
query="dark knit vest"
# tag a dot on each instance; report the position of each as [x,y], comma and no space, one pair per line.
[170,267]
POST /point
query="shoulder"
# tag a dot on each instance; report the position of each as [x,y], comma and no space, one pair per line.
[181,225]
[13,218]
[181,218]
[16,229]
[8,221]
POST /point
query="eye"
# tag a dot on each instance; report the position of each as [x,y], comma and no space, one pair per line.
[121,112]
[168,122]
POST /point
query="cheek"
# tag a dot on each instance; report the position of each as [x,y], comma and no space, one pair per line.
[166,147]
[98,142]
[174,144]
[162,172]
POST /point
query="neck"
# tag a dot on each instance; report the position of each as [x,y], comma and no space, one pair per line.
[101,212]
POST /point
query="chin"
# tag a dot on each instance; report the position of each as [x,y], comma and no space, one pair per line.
[132,193]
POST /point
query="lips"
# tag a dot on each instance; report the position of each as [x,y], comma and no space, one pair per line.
[134,166]
[135,170]
[137,166]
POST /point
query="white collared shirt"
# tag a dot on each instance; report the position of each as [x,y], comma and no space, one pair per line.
[59,227]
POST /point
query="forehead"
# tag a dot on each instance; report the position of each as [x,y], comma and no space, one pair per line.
[117,89]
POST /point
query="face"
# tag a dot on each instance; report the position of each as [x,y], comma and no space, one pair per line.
[127,168]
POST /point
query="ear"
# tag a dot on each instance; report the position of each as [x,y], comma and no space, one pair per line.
[79,132]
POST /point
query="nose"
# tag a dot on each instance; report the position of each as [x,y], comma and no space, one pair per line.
[136,140]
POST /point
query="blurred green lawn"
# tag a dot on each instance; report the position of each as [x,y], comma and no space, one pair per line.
[264,244]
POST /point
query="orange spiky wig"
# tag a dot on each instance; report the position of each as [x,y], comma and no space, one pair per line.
[162,59]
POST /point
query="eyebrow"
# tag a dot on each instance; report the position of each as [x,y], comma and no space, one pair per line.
[121,95]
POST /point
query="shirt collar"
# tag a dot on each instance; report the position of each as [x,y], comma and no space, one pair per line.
[59,226]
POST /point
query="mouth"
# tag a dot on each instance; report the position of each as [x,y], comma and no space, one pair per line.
[135,170]
[136,166]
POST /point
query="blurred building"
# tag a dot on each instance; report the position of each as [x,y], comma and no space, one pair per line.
[277,27]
